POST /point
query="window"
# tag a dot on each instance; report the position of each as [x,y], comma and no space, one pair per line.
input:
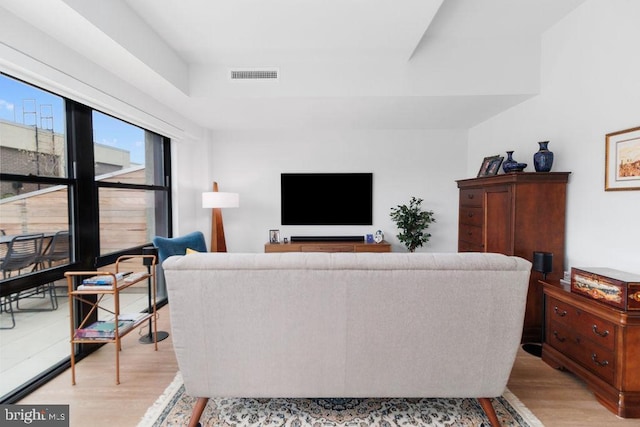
[130,177]
[34,184]
[87,183]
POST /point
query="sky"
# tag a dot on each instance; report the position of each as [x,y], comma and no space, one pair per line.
[19,101]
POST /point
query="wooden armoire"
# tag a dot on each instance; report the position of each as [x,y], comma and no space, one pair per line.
[516,214]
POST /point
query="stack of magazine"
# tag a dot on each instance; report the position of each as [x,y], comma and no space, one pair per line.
[107,328]
[104,329]
[102,282]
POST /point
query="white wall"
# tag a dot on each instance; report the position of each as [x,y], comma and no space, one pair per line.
[417,163]
[590,86]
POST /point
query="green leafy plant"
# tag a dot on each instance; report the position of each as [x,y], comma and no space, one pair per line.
[413,221]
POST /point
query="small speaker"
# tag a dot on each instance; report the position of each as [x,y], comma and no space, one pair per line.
[149,250]
[543,262]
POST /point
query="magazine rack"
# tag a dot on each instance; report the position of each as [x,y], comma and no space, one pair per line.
[110,285]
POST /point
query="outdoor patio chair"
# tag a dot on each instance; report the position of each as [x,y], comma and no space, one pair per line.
[22,253]
[56,250]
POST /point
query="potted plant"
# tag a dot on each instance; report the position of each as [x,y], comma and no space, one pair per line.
[413,221]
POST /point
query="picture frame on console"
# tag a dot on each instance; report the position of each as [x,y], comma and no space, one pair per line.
[490,166]
[274,236]
[622,160]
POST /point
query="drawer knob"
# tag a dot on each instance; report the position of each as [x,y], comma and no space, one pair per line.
[470,196]
[470,215]
[558,312]
[558,337]
[602,334]
[635,296]
[594,357]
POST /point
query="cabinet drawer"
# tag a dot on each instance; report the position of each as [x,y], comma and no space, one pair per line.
[471,215]
[281,247]
[469,247]
[377,247]
[470,234]
[471,197]
[590,355]
[585,324]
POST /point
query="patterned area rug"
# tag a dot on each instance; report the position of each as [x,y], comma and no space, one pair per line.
[174,407]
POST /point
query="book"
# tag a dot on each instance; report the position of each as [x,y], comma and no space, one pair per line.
[103,329]
[94,287]
[104,279]
[131,317]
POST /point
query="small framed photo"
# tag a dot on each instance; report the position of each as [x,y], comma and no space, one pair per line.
[274,236]
[490,166]
[622,160]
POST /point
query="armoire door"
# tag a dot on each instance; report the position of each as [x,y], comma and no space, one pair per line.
[498,220]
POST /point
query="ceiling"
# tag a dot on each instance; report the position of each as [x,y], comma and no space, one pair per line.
[357,64]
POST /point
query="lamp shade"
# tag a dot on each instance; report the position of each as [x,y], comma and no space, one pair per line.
[543,262]
[216,199]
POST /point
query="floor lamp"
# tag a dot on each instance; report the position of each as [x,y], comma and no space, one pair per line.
[217,200]
[542,263]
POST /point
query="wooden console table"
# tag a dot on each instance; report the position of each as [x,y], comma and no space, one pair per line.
[598,343]
[328,246]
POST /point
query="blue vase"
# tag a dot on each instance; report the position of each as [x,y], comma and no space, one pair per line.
[509,165]
[543,159]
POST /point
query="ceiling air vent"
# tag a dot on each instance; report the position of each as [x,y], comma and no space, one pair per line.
[254,74]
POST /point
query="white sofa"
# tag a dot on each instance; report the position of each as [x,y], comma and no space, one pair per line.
[346,324]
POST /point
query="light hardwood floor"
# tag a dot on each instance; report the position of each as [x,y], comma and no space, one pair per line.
[556,398]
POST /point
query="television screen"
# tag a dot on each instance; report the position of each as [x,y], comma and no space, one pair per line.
[326,198]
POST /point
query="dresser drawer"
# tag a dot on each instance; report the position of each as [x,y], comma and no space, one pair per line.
[471,197]
[471,215]
[587,325]
[470,233]
[584,351]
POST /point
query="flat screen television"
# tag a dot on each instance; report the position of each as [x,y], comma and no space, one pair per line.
[326,198]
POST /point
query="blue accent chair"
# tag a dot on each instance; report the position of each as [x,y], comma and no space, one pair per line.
[169,246]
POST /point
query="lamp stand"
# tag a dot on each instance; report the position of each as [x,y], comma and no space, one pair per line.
[542,263]
[218,243]
[534,348]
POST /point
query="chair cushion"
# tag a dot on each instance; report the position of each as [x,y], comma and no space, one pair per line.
[169,246]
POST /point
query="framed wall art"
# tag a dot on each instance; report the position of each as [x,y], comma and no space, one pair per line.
[490,166]
[622,160]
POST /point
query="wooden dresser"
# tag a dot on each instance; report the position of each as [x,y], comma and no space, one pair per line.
[516,214]
[328,246]
[598,343]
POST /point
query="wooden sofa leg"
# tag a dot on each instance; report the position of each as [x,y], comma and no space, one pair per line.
[198,409]
[490,411]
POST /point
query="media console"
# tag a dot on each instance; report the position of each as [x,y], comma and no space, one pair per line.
[328,246]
